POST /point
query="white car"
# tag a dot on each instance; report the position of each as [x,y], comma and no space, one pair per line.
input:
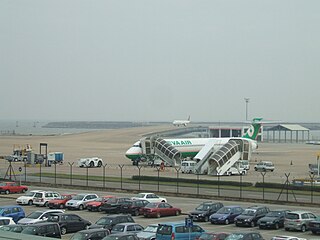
[38,216]
[150,197]
[264,166]
[6,221]
[90,162]
[42,198]
[287,238]
[27,199]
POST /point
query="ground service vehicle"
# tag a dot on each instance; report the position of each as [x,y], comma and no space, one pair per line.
[90,162]
[264,166]
[188,166]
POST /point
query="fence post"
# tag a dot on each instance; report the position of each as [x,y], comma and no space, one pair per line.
[177,169]
[104,175]
[121,167]
[240,186]
[71,164]
[263,174]
[139,169]
[87,173]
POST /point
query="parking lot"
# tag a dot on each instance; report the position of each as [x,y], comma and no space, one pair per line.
[186,204]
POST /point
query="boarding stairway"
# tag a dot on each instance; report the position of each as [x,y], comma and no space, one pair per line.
[217,160]
[167,152]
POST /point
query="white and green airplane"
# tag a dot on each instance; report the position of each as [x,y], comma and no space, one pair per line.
[190,147]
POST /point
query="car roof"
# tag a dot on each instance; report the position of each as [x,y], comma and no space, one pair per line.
[128,223]
[299,212]
[41,224]
[114,215]
[94,230]
[232,206]
[10,206]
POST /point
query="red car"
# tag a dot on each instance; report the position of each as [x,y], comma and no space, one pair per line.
[96,205]
[213,236]
[159,210]
[12,187]
[60,202]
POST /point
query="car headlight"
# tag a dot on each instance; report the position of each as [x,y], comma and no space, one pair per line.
[248,220]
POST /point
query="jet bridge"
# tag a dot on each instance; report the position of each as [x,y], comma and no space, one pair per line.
[217,159]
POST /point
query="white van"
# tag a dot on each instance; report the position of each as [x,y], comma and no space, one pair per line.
[188,166]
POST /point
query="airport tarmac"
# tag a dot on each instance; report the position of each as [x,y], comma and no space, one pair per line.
[111,145]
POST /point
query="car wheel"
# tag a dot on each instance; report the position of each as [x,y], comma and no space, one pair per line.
[99,209]
[303,228]
[81,207]
[45,204]
[136,213]
[206,218]
[276,226]
[30,202]
[91,164]
[226,222]
[252,224]
[287,229]
[314,232]
[7,191]
[61,206]
[99,164]
[158,215]
[23,190]
[63,230]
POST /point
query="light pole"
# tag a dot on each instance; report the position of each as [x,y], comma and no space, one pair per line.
[247,101]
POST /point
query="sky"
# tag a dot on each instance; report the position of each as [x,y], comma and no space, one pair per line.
[142,60]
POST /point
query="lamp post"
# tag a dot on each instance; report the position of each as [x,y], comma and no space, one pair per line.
[247,101]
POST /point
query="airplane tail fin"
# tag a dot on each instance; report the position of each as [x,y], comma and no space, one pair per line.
[254,129]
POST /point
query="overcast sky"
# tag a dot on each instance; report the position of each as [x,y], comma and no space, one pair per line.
[159,60]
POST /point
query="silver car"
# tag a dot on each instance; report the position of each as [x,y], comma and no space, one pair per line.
[127,228]
[298,220]
[149,233]
[38,216]
[79,201]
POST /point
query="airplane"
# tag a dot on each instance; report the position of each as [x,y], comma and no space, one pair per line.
[181,122]
[190,147]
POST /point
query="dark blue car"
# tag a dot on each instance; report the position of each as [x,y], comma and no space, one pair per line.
[226,215]
[15,212]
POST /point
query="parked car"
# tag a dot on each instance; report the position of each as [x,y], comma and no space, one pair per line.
[159,209]
[177,231]
[69,222]
[298,220]
[273,219]
[38,216]
[96,204]
[226,215]
[264,166]
[204,210]
[111,220]
[287,238]
[127,227]
[150,197]
[149,233]
[13,228]
[91,234]
[60,202]
[42,198]
[6,221]
[15,212]
[251,215]
[27,199]
[79,201]
[45,229]
[133,206]
[113,205]
[213,236]
[121,236]
[245,236]
[12,187]
[314,225]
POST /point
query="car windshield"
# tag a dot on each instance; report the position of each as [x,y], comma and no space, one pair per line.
[207,236]
[203,207]
[118,228]
[78,197]
[224,210]
[249,212]
[30,230]
[35,215]
[151,205]
[79,236]
[104,221]
[151,228]
[98,199]
[274,214]
[235,236]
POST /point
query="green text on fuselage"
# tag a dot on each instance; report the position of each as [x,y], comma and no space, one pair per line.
[180,142]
